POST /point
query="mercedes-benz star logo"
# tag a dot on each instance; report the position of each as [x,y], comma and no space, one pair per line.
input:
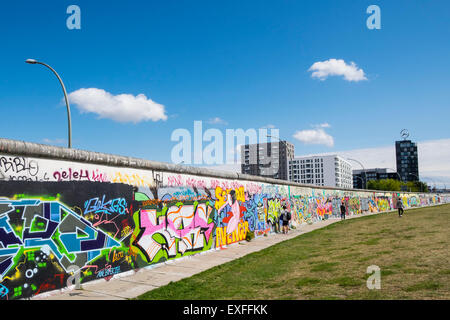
[404,133]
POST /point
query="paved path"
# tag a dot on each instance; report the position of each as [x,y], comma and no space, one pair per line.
[134,284]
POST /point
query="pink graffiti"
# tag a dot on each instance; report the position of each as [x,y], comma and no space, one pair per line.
[185,223]
[253,188]
[175,181]
[80,174]
[195,183]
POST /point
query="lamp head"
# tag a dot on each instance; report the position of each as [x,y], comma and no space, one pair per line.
[31,61]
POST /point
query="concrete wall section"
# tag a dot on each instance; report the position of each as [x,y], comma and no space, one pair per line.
[58,215]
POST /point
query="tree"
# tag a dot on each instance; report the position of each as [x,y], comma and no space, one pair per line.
[395,185]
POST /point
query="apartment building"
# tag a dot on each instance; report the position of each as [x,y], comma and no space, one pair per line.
[326,170]
[267,159]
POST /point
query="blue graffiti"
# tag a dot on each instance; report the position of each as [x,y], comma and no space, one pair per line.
[3,291]
[97,205]
[62,227]
[108,272]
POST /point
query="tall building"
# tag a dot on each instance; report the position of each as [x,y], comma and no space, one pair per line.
[407,160]
[372,174]
[267,159]
[329,170]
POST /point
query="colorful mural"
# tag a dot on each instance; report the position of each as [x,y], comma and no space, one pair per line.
[60,216]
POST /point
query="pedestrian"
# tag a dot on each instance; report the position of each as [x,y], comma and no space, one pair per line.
[400,207]
[343,210]
[286,219]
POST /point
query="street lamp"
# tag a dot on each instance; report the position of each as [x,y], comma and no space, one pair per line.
[365,174]
[32,61]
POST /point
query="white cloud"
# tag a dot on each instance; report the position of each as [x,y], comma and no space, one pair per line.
[315,136]
[53,141]
[324,125]
[337,67]
[120,108]
[217,120]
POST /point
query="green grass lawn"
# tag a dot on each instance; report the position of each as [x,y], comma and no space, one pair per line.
[330,263]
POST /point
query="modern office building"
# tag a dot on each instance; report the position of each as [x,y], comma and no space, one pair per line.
[267,159]
[327,170]
[407,160]
[372,174]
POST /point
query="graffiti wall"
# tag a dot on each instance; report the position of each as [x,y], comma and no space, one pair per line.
[58,218]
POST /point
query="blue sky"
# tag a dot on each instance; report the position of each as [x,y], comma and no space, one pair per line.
[245,62]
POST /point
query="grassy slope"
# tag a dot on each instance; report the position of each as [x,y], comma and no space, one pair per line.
[330,263]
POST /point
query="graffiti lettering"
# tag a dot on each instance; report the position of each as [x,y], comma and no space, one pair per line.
[97,205]
[68,175]
[48,224]
[223,238]
[179,228]
[108,272]
[19,165]
[133,179]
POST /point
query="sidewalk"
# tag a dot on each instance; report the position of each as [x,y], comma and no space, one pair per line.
[132,285]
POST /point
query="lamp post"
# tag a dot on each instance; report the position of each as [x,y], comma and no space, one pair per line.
[365,174]
[32,61]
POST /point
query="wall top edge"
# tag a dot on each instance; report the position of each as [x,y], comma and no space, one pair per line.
[31,149]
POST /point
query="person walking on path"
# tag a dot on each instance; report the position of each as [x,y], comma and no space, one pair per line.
[343,210]
[286,219]
[400,207]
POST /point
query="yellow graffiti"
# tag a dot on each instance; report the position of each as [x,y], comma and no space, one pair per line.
[405,202]
[224,238]
[274,208]
[221,196]
[132,179]
[117,256]
[17,274]
[126,231]
[383,205]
